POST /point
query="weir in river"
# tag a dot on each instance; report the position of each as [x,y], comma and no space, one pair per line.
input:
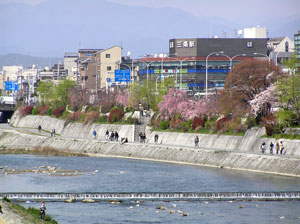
[291,195]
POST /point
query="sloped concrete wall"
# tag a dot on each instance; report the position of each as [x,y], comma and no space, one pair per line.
[250,142]
[223,159]
[216,142]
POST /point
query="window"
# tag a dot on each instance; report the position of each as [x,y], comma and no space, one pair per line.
[286,46]
[249,44]
[107,55]
[108,68]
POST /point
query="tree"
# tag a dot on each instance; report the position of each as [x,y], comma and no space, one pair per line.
[244,82]
[78,97]
[45,91]
[122,97]
[61,93]
[263,102]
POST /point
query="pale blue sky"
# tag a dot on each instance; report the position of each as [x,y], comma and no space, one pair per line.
[52,27]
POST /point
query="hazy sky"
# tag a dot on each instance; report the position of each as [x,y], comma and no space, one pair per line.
[52,27]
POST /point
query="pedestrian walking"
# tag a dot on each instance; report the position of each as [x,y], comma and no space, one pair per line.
[51,133]
[43,210]
[116,136]
[112,136]
[277,147]
[281,147]
[1,212]
[196,141]
[39,128]
[156,138]
[94,134]
[263,147]
[271,147]
[107,135]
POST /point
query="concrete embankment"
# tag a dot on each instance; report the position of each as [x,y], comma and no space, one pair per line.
[283,165]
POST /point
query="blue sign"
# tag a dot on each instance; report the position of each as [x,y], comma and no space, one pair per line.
[122,75]
[11,85]
[108,79]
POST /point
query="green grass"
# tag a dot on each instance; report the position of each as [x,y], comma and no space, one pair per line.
[32,215]
[283,136]
[200,131]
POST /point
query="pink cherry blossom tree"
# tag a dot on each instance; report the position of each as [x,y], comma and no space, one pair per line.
[264,101]
[122,98]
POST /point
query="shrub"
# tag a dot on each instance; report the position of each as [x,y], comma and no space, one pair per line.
[92,109]
[175,122]
[155,120]
[65,114]
[164,124]
[58,112]
[34,111]
[50,111]
[270,123]
[75,116]
[198,122]
[186,125]
[102,119]
[115,115]
[28,110]
[91,117]
[221,123]
[106,108]
[42,110]
[131,120]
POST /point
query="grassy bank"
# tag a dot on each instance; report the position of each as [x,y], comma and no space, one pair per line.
[30,215]
[45,151]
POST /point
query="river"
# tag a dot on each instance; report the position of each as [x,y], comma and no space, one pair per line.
[126,175]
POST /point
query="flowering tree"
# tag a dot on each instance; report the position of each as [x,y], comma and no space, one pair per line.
[122,98]
[178,102]
[262,102]
[173,103]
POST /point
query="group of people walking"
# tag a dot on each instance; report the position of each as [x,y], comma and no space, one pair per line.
[112,136]
[278,146]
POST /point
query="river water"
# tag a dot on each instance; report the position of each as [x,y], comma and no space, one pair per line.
[126,175]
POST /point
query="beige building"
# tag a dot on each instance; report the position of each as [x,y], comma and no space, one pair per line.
[107,61]
[11,73]
[280,48]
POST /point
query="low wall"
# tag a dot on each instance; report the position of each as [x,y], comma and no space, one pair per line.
[283,165]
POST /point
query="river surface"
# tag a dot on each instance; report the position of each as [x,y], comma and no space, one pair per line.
[126,175]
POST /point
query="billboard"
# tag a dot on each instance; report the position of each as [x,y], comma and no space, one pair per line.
[11,86]
[122,75]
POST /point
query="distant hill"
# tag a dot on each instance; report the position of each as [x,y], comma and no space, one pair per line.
[26,60]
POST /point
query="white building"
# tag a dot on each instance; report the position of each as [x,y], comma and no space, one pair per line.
[255,32]
[280,48]
[11,73]
[70,66]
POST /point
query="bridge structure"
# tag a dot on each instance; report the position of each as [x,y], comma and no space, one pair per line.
[160,196]
[6,111]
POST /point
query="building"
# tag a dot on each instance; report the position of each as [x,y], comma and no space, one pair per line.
[70,66]
[202,47]
[280,49]
[107,61]
[197,63]
[255,32]
[297,48]
[86,65]
[97,67]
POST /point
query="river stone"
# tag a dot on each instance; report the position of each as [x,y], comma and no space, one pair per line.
[88,200]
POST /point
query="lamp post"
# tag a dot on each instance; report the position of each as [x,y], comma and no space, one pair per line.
[206,70]
[181,61]
[147,65]
[230,64]
[263,55]
[276,57]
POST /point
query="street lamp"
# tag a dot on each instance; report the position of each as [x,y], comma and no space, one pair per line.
[263,55]
[181,61]
[276,57]
[230,64]
[147,65]
[206,70]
